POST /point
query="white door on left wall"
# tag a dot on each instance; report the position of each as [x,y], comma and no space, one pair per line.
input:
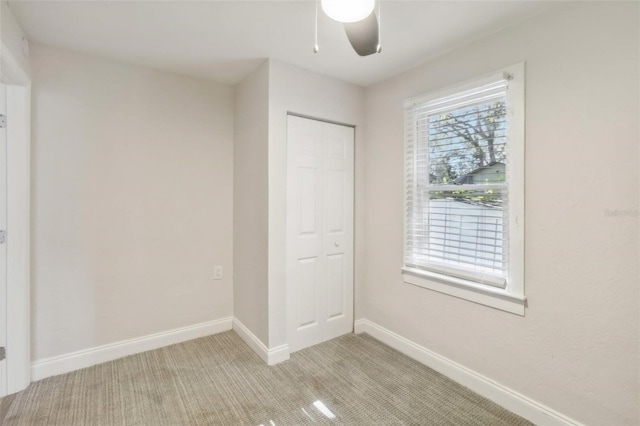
[3,235]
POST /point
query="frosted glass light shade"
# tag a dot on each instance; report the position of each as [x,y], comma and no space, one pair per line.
[348,10]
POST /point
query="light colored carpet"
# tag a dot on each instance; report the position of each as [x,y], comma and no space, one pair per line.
[218,380]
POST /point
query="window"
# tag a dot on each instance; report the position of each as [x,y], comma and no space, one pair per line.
[464,191]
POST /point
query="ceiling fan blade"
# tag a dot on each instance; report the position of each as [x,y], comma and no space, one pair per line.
[363,35]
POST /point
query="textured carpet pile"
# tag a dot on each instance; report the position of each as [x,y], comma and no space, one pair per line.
[218,380]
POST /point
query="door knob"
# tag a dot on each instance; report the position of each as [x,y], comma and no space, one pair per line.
[336,244]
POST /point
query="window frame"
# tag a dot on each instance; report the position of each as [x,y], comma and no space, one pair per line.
[511,298]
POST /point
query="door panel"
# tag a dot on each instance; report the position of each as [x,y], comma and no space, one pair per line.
[304,231]
[307,190]
[335,285]
[335,203]
[338,235]
[307,274]
[319,231]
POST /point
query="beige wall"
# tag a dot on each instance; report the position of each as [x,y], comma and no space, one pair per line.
[293,89]
[250,202]
[132,201]
[577,348]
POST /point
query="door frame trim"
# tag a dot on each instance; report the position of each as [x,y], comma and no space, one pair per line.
[323,120]
[17,308]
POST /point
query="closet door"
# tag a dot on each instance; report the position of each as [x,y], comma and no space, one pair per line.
[320,160]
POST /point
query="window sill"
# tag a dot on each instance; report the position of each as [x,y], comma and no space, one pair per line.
[464,289]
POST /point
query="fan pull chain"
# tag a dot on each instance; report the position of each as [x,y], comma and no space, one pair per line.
[316,48]
[379,47]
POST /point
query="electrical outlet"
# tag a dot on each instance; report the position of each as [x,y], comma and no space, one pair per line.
[217,272]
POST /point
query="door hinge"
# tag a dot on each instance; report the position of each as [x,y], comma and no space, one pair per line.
[3,121]
[3,353]
[3,236]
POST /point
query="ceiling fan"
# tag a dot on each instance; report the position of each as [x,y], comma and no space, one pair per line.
[360,23]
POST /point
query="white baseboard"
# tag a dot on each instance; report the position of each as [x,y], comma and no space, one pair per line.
[86,358]
[508,398]
[270,356]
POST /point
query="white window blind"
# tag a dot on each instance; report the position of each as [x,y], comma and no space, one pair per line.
[457,193]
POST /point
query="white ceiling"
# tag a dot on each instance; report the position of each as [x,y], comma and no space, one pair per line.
[226,40]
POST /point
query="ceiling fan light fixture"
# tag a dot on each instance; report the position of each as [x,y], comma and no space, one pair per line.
[348,11]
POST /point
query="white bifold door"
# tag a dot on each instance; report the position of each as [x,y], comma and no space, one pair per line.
[320,161]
